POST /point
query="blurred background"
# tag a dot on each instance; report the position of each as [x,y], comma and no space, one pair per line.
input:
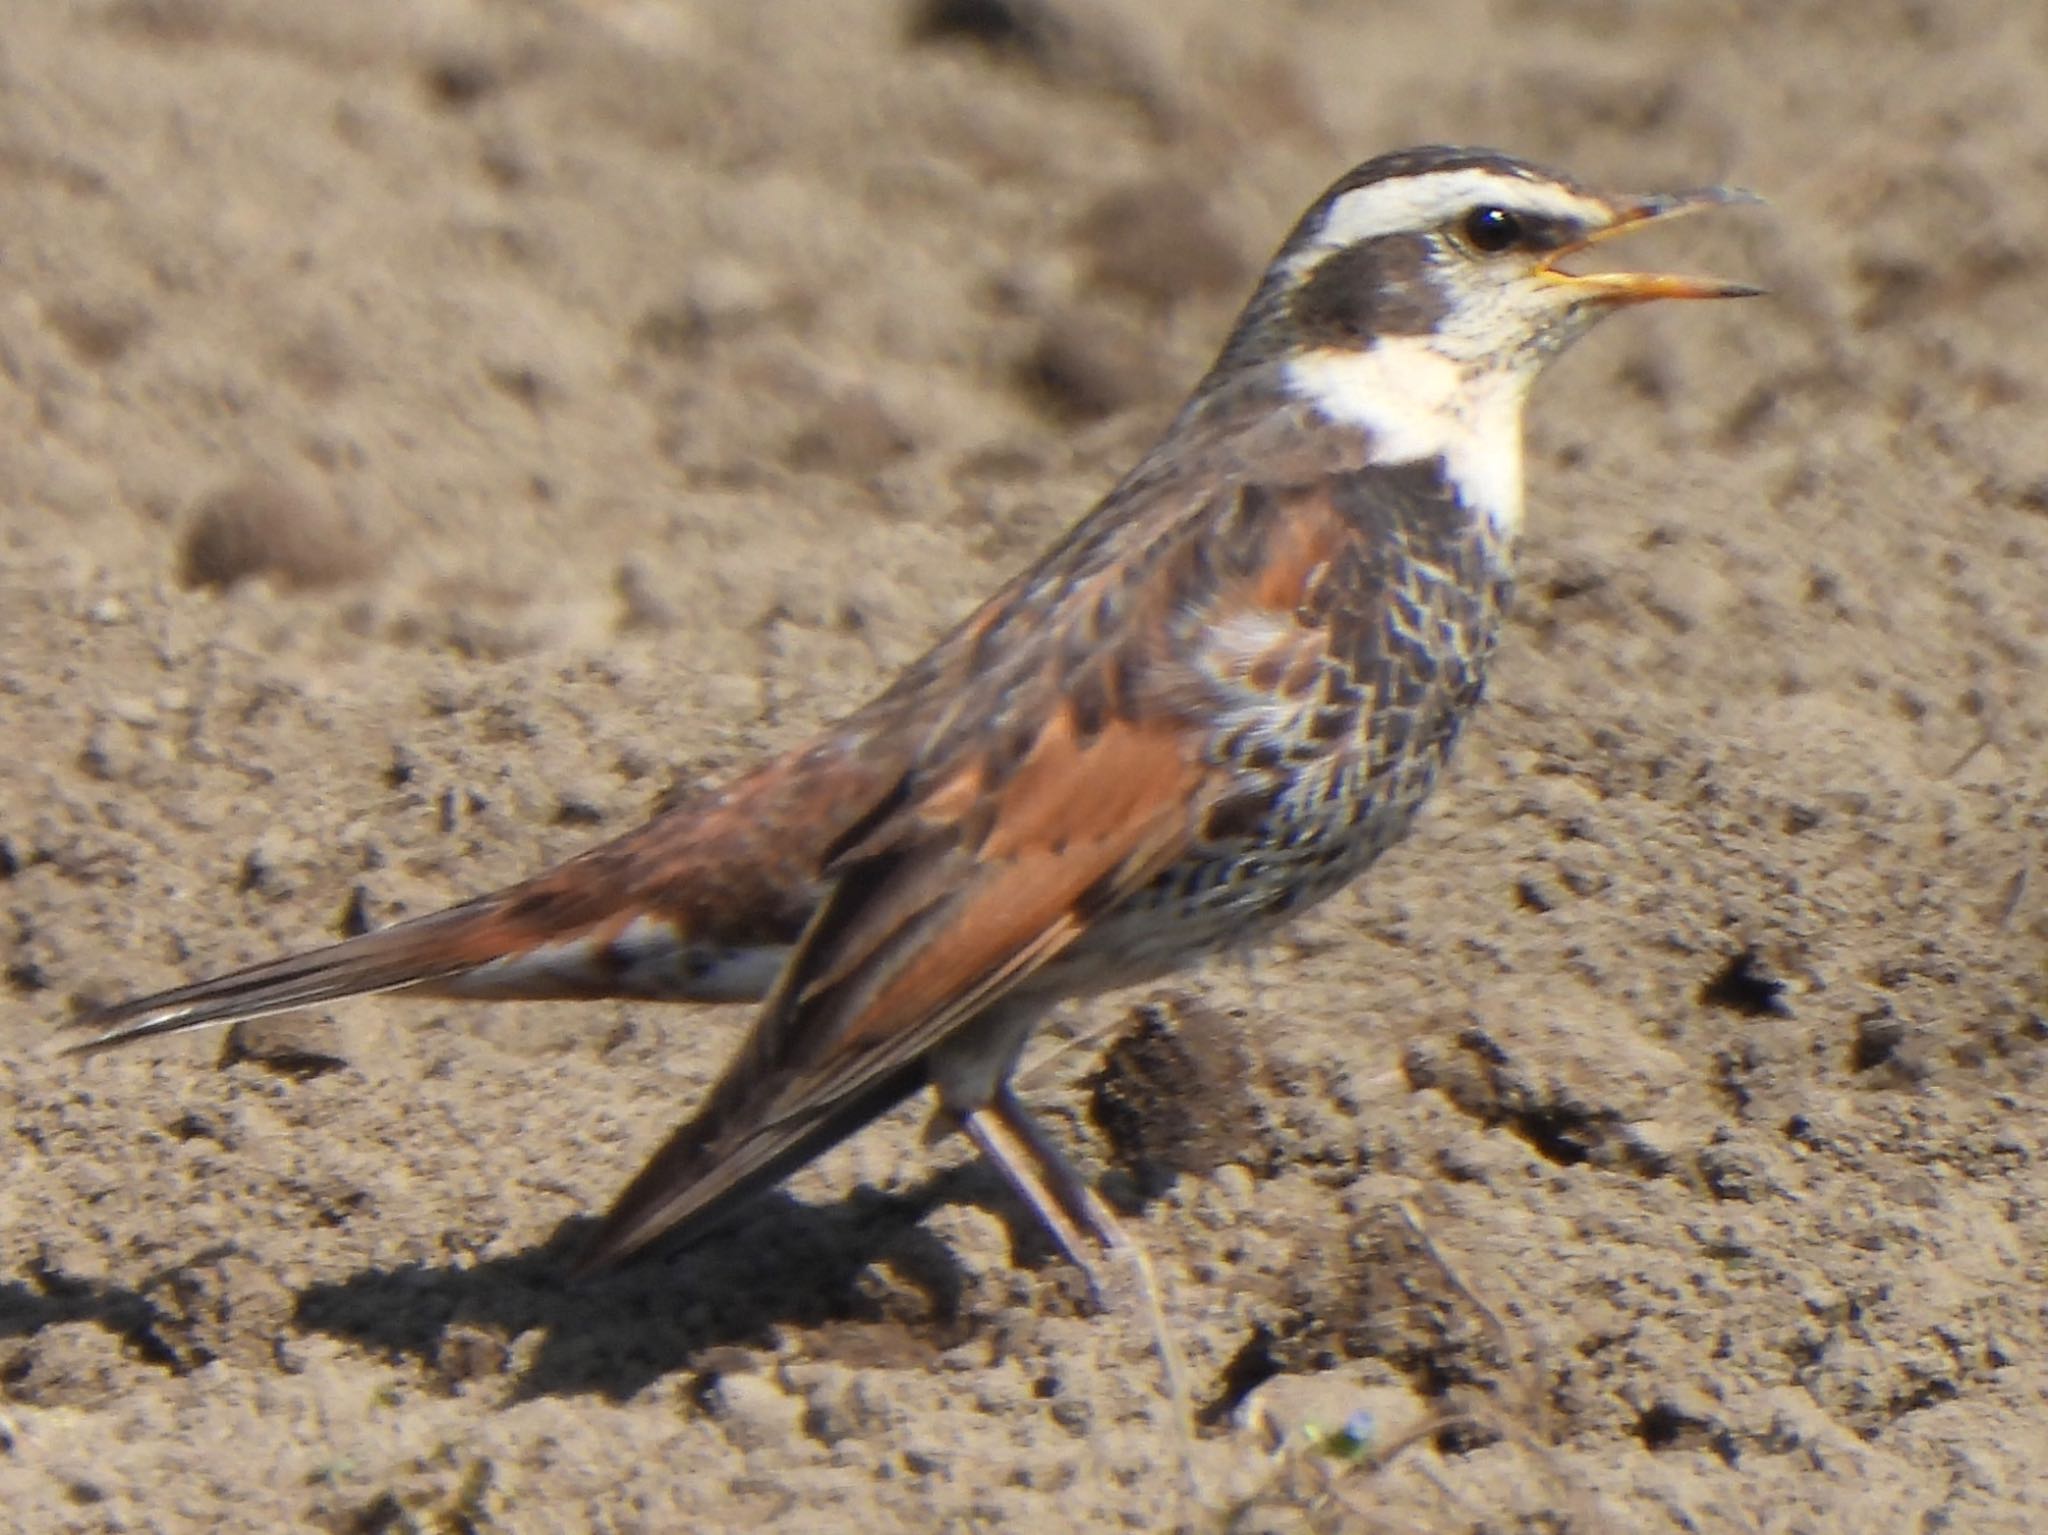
[432,429]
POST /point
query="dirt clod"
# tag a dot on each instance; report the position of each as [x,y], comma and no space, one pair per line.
[264,525]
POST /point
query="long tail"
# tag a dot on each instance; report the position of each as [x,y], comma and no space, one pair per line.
[698,905]
[467,951]
[407,955]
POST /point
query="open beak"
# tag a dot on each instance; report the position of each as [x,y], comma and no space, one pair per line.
[1642,287]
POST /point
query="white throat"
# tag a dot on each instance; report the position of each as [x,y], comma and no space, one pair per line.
[1416,404]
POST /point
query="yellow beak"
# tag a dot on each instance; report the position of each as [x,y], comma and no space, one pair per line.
[1642,287]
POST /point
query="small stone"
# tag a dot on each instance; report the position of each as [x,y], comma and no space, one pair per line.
[466,1354]
[853,435]
[1878,1037]
[721,299]
[755,1413]
[262,525]
[99,328]
[63,1364]
[459,81]
[640,597]
[1024,28]
[1085,369]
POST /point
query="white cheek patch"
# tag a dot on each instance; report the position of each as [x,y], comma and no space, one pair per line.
[1416,404]
[1406,204]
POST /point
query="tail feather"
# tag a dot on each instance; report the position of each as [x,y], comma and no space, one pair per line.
[477,951]
[699,904]
[416,953]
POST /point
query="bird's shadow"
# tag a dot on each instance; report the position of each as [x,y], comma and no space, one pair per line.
[54,1298]
[780,1263]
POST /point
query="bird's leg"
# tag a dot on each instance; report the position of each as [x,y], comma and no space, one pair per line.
[1058,1196]
[1068,1206]
[972,1075]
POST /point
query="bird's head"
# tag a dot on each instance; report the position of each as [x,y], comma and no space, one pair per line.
[1419,297]
[1463,249]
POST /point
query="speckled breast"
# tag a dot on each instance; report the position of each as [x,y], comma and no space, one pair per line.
[1330,734]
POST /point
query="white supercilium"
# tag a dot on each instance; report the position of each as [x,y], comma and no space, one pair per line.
[1420,202]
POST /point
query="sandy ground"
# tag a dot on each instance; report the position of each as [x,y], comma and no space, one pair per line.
[429,430]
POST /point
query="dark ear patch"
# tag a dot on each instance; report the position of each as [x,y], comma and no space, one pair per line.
[1377,288]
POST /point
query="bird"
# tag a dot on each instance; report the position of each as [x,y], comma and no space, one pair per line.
[1211,704]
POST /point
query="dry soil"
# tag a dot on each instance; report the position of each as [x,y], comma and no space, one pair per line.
[430,429]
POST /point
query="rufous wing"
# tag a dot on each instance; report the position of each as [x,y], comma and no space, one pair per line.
[949,901]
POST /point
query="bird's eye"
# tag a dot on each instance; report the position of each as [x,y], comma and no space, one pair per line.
[1492,230]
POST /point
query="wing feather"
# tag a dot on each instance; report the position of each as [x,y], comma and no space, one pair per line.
[1047,794]
[935,917]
